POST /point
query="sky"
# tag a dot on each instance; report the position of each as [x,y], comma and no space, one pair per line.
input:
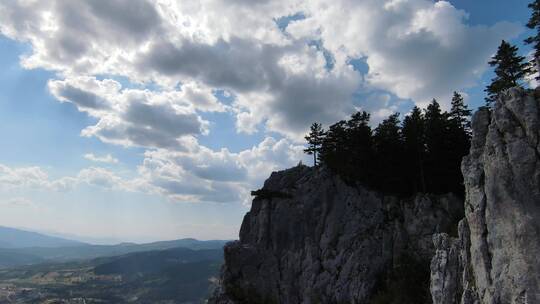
[136,120]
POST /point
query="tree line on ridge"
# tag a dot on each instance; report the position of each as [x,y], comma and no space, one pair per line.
[420,154]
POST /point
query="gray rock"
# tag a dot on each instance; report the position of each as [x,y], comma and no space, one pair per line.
[445,270]
[502,178]
[450,272]
[499,241]
[323,241]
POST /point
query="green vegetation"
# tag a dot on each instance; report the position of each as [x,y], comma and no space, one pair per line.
[421,154]
[314,139]
[177,275]
[510,70]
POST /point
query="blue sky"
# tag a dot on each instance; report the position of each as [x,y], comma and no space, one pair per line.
[156,126]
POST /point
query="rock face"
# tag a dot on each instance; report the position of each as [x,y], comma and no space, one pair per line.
[450,268]
[496,258]
[311,238]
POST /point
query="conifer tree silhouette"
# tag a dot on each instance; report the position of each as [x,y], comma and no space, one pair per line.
[534,24]
[510,70]
[314,139]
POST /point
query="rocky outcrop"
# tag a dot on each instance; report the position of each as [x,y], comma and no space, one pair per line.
[445,270]
[496,258]
[450,268]
[324,241]
[311,238]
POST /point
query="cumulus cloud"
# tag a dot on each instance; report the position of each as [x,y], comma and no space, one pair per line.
[23,177]
[194,174]
[235,46]
[100,177]
[415,49]
[79,36]
[109,159]
[280,78]
[35,178]
[284,87]
[132,117]
[200,174]
[31,178]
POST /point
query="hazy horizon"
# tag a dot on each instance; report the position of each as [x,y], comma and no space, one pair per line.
[106,240]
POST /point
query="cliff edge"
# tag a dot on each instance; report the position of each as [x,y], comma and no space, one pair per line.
[311,238]
[496,258]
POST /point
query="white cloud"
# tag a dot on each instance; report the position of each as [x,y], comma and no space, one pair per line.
[200,174]
[215,45]
[35,178]
[109,159]
[99,177]
[278,81]
[416,49]
[23,177]
[132,117]
[194,174]
[31,178]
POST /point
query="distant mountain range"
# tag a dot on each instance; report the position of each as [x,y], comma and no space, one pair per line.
[16,238]
[19,247]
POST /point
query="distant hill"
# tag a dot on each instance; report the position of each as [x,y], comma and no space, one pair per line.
[16,238]
[9,259]
[177,275]
[185,243]
[151,262]
[41,250]
[86,252]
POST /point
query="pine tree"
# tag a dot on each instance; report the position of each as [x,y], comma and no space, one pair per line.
[388,146]
[315,140]
[422,154]
[458,142]
[334,147]
[359,145]
[358,120]
[413,131]
[460,113]
[510,69]
[435,139]
[534,24]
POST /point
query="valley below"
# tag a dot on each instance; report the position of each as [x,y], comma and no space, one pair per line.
[181,271]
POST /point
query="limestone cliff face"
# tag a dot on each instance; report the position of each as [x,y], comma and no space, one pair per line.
[311,238]
[497,256]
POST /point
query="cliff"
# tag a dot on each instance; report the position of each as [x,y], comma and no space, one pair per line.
[311,238]
[496,257]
